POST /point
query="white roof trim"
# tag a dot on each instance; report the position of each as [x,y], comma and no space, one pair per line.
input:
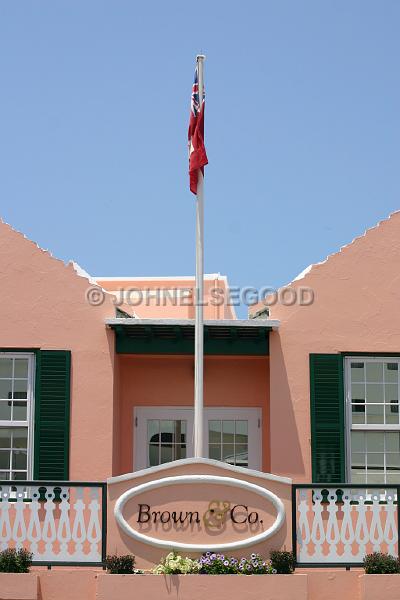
[199,461]
[267,323]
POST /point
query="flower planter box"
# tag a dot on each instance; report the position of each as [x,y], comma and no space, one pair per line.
[199,587]
[18,586]
[377,587]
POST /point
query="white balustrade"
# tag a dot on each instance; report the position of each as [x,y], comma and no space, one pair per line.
[57,523]
[342,527]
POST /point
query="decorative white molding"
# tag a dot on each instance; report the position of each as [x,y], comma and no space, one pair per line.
[199,461]
[206,480]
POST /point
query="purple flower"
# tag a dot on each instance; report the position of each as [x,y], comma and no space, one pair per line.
[213,556]
[253,556]
[226,563]
[248,567]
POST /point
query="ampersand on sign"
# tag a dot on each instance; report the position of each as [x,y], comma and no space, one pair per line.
[215,515]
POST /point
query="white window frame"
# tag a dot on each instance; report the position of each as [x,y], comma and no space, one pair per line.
[142,413]
[29,423]
[348,412]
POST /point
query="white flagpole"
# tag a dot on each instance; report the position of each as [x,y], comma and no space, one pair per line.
[199,321]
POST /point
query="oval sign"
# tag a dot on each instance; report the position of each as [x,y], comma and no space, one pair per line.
[200,479]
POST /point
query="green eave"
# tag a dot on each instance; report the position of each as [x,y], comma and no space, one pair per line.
[167,336]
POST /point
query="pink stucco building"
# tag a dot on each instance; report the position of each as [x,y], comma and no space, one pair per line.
[97,377]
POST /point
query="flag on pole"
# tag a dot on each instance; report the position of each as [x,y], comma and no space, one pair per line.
[197,152]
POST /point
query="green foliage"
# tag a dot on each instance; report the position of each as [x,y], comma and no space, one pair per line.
[283,562]
[378,563]
[15,561]
[219,564]
[174,564]
[120,565]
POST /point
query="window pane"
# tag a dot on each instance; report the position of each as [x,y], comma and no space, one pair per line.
[374,371]
[358,417]
[167,426]
[228,453]
[153,429]
[391,372]
[241,427]
[4,459]
[393,441]
[375,477]
[228,428]
[375,441]
[358,476]
[214,432]
[358,392]
[5,437]
[19,476]
[167,432]
[393,461]
[214,451]
[391,393]
[357,460]
[392,477]
[374,392]
[153,455]
[166,454]
[5,410]
[374,414]
[358,441]
[375,462]
[241,455]
[19,411]
[21,367]
[5,389]
[4,475]
[20,437]
[357,371]
[19,459]
[180,432]
[21,389]
[180,451]
[5,367]
[392,414]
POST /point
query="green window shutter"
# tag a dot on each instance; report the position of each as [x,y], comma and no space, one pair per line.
[327,418]
[52,412]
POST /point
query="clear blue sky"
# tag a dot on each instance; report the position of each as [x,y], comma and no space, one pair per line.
[302,130]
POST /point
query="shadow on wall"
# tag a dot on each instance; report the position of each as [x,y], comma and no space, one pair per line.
[286,452]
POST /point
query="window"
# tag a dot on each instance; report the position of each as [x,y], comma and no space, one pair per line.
[16,405]
[166,440]
[165,434]
[228,441]
[373,420]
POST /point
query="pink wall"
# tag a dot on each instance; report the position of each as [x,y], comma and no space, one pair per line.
[43,305]
[169,381]
[357,298]
[173,307]
[93,584]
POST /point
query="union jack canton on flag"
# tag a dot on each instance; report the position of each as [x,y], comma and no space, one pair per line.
[197,152]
